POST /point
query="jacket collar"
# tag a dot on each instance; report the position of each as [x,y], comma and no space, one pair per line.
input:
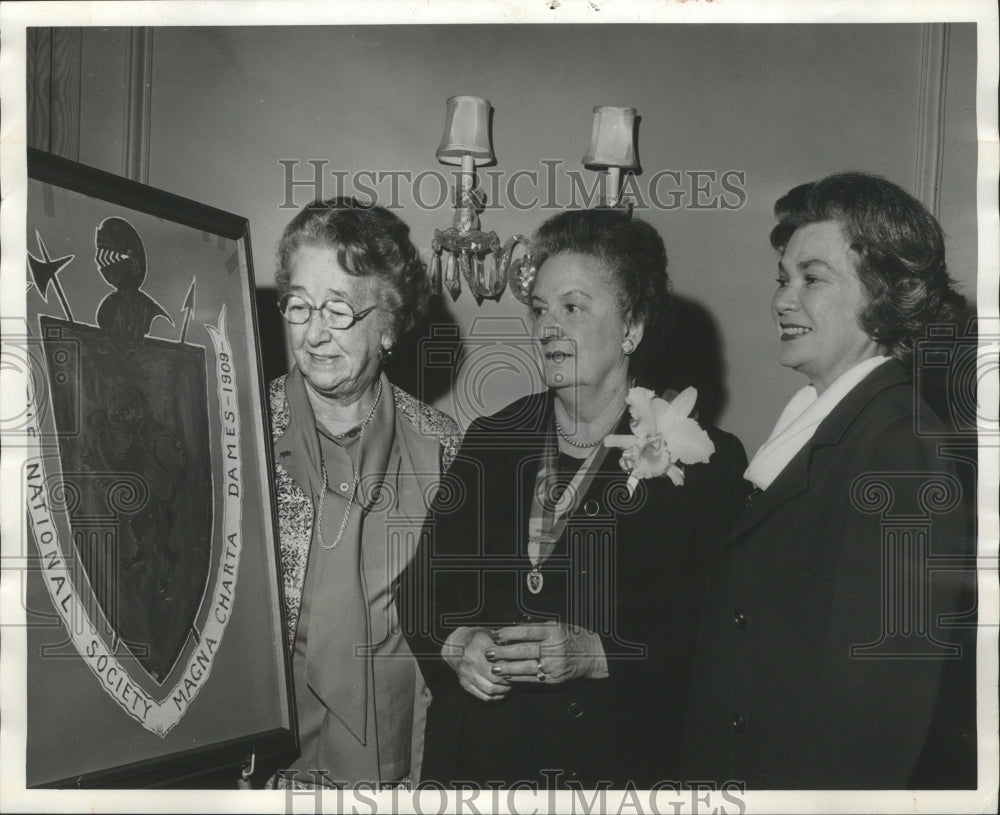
[541,406]
[794,479]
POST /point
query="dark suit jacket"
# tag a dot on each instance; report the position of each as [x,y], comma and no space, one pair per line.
[822,644]
[629,569]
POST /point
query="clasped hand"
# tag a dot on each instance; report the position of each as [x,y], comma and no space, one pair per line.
[489,662]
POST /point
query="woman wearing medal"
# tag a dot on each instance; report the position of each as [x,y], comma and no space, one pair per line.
[551,610]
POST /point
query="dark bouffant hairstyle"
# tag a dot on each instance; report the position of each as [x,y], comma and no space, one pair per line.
[369,241]
[900,251]
[632,252]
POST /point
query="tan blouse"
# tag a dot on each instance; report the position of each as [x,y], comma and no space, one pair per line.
[355,678]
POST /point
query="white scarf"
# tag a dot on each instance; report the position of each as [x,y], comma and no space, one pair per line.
[799,420]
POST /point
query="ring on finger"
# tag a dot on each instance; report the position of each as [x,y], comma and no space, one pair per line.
[541,671]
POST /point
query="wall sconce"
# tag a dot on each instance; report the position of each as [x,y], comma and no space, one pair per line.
[478,256]
[466,142]
[612,148]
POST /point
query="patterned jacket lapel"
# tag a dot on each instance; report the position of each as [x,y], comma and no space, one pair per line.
[432,442]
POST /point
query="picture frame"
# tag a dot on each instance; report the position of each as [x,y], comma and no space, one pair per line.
[154,612]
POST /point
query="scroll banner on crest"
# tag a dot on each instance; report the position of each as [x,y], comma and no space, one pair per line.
[51,530]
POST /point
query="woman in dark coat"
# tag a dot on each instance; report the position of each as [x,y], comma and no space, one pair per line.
[826,656]
[556,637]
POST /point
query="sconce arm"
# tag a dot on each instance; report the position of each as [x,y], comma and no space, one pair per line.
[521,278]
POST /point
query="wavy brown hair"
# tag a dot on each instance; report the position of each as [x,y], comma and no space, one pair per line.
[633,254]
[899,247]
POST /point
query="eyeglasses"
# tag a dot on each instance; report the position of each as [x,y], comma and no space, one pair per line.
[336,314]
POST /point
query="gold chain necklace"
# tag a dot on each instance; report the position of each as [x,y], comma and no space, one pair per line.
[354,484]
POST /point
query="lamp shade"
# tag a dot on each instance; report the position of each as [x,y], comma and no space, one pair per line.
[612,142]
[466,131]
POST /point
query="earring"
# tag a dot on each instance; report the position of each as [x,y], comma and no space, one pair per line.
[387,351]
[628,346]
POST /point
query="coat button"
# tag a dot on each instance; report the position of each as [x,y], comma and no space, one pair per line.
[344,486]
[575,709]
[738,722]
[740,618]
[591,507]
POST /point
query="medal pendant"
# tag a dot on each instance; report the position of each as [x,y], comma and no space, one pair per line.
[535,581]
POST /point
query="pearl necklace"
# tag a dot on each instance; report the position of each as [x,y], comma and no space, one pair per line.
[354,485]
[568,440]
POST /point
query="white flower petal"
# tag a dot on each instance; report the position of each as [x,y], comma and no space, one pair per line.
[620,441]
[685,401]
[690,444]
[640,402]
[666,417]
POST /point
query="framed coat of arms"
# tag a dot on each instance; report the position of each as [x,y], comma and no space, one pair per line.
[155,644]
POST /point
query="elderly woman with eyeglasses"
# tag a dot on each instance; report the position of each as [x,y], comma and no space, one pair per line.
[356,459]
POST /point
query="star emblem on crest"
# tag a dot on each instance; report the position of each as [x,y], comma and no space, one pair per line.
[44,270]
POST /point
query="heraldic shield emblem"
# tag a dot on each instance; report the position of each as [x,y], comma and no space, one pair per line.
[137,477]
[123,507]
[151,593]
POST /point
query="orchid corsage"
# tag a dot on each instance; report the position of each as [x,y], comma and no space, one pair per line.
[664,437]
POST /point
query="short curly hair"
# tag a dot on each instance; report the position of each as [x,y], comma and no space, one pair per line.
[899,247]
[632,252]
[369,241]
